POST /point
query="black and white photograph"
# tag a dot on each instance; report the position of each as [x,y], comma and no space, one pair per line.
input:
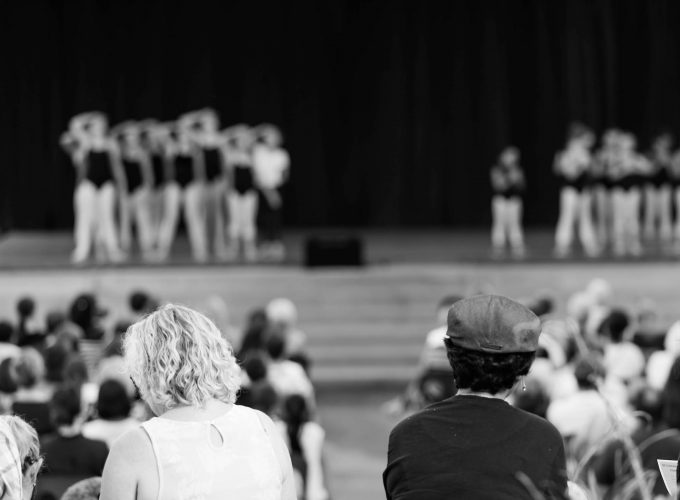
[339,250]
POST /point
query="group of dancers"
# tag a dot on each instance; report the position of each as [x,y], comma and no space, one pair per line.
[142,174]
[612,198]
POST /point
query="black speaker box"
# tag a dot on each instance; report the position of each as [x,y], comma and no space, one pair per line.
[335,250]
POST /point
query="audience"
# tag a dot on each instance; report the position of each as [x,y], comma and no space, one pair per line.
[287,377]
[113,414]
[68,451]
[7,348]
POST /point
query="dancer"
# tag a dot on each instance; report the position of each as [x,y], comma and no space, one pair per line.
[184,189]
[155,138]
[98,172]
[507,182]
[602,185]
[271,164]
[657,191]
[627,170]
[241,195]
[135,202]
[572,165]
[204,127]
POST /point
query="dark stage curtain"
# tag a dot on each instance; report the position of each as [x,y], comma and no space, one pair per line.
[393,111]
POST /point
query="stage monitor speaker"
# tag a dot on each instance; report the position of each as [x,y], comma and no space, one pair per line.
[334,250]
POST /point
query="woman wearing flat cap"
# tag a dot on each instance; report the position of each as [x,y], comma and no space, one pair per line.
[475,445]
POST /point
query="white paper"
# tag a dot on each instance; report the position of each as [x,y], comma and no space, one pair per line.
[668,468]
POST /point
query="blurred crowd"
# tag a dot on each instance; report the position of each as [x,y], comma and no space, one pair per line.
[607,376]
[67,377]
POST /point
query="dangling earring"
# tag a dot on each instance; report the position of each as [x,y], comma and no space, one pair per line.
[524,385]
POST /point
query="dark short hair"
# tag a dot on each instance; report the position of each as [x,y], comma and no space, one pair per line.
[649,401]
[6,331]
[56,357]
[615,324]
[276,345]
[25,306]
[8,377]
[64,406]
[587,370]
[54,320]
[113,402]
[139,301]
[256,368]
[486,372]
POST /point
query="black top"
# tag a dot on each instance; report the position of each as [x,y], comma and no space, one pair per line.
[158,167]
[473,447]
[74,455]
[184,169]
[511,180]
[133,174]
[99,169]
[213,163]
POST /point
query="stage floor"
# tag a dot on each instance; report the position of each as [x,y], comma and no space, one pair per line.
[42,250]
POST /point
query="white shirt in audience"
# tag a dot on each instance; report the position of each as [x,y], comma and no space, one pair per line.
[8,350]
[624,360]
[287,378]
[108,430]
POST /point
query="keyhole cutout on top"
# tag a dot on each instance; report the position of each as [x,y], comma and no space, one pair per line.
[216,437]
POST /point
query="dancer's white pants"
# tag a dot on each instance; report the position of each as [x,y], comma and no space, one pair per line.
[192,199]
[575,209]
[507,222]
[95,221]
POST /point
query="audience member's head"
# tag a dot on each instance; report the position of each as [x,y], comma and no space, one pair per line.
[263,397]
[254,335]
[30,368]
[113,402]
[85,312]
[177,356]
[588,371]
[649,402]
[282,312]
[56,357]
[8,376]
[53,321]
[6,331]
[64,406]
[68,335]
[256,368]
[25,307]
[141,303]
[615,325]
[20,458]
[491,342]
[275,345]
[75,371]
[87,489]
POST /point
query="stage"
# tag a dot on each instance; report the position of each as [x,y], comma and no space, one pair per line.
[51,250]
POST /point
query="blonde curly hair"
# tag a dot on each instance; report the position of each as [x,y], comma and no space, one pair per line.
[177,356]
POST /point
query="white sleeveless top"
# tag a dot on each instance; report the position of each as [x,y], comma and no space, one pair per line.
[191,467]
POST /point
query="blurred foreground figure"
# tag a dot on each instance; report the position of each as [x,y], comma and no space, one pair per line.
[507,181]
[475,445]
[201,445]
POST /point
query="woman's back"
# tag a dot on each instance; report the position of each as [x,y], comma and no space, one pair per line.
[230,456]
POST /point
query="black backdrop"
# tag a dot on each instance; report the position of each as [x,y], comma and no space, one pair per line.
[393,110]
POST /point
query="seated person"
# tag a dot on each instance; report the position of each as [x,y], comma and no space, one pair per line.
[7,348]
[68,451]
[113,409]
[287,377]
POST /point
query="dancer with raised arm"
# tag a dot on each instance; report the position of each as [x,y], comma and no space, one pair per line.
[658,191]
[572,166]
[508,183]
[271,164]
[96,158]
[241,195]
[185,190]
[204,127]
[135,202]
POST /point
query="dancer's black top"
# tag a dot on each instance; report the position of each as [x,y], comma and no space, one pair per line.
[184,169]
[213,163]
[243,178]
[512,181]
[578,182]
[158,167]
[99,169]
[133,173]
[659,176]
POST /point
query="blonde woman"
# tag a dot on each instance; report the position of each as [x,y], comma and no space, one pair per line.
[201,445]
[20,459]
